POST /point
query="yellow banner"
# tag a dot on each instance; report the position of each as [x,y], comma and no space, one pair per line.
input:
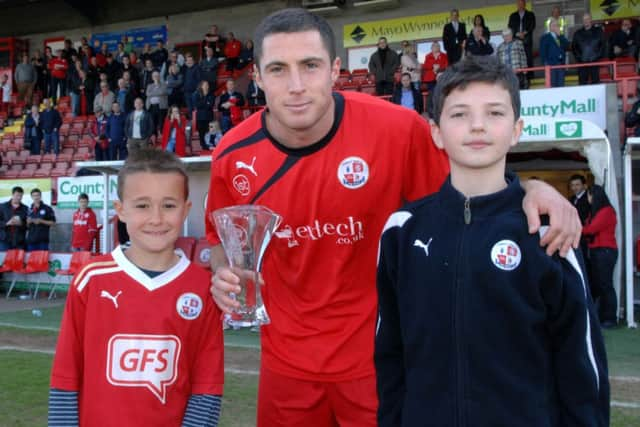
[422,26]
[27,184]
[615,9]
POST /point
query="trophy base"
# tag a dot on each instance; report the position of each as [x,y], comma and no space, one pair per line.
[247,318]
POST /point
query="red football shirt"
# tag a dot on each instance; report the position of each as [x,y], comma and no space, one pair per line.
[134,347]
[335,197]
[84,229]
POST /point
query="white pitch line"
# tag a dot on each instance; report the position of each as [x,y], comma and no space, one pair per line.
[631,405]
[241,371]
[625,379]
[37,328]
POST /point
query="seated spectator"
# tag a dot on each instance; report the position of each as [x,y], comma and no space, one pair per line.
[157,100]
[478,21]
[26,77]
[175,85]
[623,42]
[173,132]
[407,95]
[410,64]
[511,52]
[213,136]
[477,44]
[50,122]
[124,97]
[215,41]
[232,48]
[632,118]
[203,102]
[434,64]
[246,55]
[99,134]
[138,127]
[209,67]
[553,51]
[230,103]
[255,95]
[115,134]
[159,55]
[104,99]
[33,131]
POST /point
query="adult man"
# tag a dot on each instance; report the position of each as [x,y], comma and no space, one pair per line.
[26,78]
[255,95]
[232,48]
[50,122]
[407,95]
[383,64]
[39,220]
[553,51]
[138,127]
[146,77]
[124,97]
[192,77]
[588,46]
[58,67]
[159,55]
[454,37]
[104,99]
[578,186]
[556,14]
[230,102]
[5,88]
[215,41]
[511,52]
[127,67]
[209,67]
[339,155]
[115,132]
[477,44]
[13,221]
[522,23]
[623,41]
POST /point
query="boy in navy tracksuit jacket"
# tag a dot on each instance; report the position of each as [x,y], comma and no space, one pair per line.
[477,325]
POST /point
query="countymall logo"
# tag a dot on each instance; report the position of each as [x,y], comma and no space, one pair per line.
[561,108]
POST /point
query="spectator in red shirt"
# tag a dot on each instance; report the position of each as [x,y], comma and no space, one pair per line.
[434,64]
[58,67]
[85,226]
[173,132]
[101,56]
[600,229]
[232,50]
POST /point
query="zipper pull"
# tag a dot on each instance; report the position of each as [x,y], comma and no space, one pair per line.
[467,211]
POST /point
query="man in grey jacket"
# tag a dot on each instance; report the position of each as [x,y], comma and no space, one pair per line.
[26,78]
[383,64]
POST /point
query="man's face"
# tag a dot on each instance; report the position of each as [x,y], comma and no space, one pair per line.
[147,47]
[115,108]
[626,25]
[454,16]
[36,197]
[138,104]
[477,127]
[576,186]
[104,87]
[148,64]
[16,197]
[214,29]
[125,60]
[173,57]
[406,82]
[521,4]
[189,61]
[230,86]
[297,75]
[209,52]
[554,28]
[555,12]
[34,110]
[507,37]
[46,103]
[586,20]
[382,43]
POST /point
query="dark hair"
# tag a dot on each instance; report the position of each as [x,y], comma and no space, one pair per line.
[578,177]
[152,160]
[405,74]
[293,20]
[83,196]
[17,189]
[481,20]
[599,199]
[476,69]
[36,190]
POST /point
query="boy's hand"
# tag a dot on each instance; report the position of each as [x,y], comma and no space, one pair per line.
[565,227]
[223,282]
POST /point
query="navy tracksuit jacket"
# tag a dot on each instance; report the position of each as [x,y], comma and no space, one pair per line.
[478,326]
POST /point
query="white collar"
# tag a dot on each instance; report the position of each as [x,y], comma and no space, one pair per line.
[150,283]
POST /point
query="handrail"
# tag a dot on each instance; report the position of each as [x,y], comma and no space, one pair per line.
[547,69]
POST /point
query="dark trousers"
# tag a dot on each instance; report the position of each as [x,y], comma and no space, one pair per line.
[55,84]
[528,51]
[586,74]
[384,87]
[117,150]
[203,128]
[602,261]
[157,115]
[557,77]
[42,246]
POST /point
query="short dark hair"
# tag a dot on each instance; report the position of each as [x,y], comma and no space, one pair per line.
[405,74]
[36,190]
[579,177]
[152,160]
[83,196]
[476,69]
[17,189]
[294,20]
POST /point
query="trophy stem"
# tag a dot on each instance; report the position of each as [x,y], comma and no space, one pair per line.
[262,318]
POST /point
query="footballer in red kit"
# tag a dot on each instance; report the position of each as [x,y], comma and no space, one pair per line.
[84,229]
[129,341]
[334,197]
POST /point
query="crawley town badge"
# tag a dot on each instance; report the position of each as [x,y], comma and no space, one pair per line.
[189,306]
[506,255]
[353,173]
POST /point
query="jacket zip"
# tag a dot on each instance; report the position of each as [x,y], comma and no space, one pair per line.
[457,321]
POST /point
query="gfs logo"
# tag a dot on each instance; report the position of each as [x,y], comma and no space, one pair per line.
[353,172]
[148,361]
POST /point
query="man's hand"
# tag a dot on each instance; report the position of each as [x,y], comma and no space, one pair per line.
[565,227]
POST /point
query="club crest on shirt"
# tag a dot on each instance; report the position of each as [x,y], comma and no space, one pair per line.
[241,184]
[353,172]
[506,255]
[189,306]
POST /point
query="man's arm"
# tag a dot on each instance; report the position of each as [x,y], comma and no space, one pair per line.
[565,226]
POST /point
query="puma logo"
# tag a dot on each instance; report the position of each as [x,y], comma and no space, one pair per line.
[105,294]
[242,165]
[418,243]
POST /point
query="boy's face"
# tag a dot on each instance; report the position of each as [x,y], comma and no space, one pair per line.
[154,208]
[83,203]
[477,126]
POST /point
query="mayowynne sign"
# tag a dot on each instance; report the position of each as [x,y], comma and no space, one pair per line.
[581,102]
